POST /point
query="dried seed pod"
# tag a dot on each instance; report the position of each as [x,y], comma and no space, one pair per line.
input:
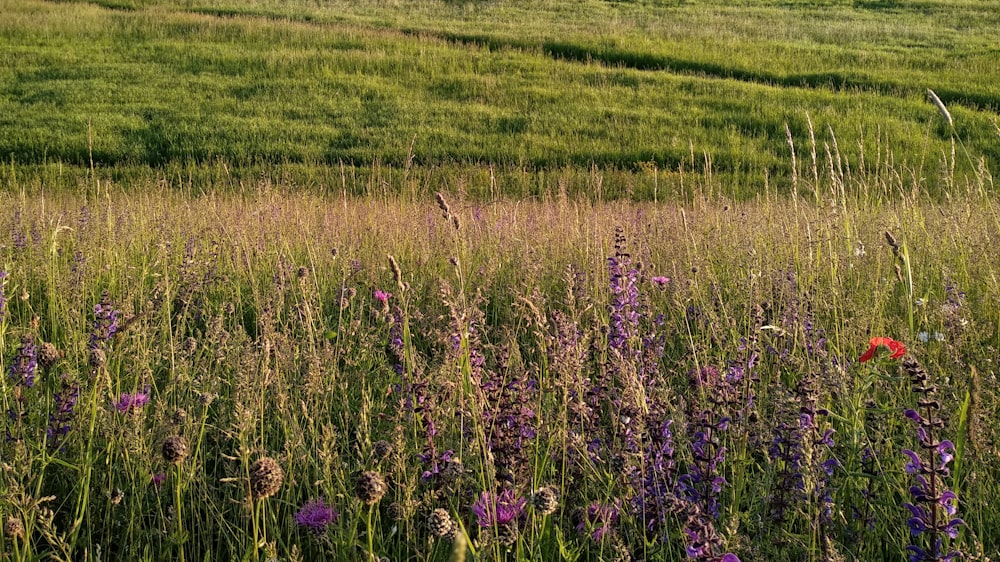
[439,523]
[48,355]
[13,528]
[545,500]
[370,487]
[174,450]
[381,450]
[266,477]
[97,358]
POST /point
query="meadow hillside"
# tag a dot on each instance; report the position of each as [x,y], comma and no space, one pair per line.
[527,94]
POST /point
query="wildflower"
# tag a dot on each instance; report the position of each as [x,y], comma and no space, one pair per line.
[266,477]
[383,296]
[934,506]
[370,487]
[897,349]
[381,450]
[22,369]
[498,509]
[131,401]
[159,478]
[65,404]
[105,323]
[316,516]
[599,520]
[660,281]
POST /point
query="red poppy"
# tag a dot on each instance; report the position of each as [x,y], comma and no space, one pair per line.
[897,348]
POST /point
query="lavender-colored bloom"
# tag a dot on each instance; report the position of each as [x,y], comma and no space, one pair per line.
[934,506]
[492,510]
[106,323]
[599,520]
[382,296]
[660,281]
[22,369]
[316,516]
[61,419]
[132,401]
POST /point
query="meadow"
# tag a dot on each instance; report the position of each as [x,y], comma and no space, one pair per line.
[547,380]
[209,92]
[428,281]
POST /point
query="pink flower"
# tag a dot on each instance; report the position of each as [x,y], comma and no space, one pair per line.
[660,280]
[383,296]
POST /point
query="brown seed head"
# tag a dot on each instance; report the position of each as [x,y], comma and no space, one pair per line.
[439,523]
[48,355]
[97,358]
[370,487]
[175,449]
[381,450]
[266,477]
[545,500]
[13,528]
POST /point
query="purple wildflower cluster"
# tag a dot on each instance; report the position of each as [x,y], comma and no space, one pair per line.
[599,520]
[22,374]
[106,323]
[315,516]
[61,418]
[499,510]
[934,506]
[132,401]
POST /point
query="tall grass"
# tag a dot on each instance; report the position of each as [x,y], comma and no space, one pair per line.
[271,324]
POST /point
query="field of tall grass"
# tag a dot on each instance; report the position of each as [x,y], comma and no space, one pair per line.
[281,375]
[550,280]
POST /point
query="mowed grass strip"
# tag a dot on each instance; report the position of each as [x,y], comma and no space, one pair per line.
[264,84]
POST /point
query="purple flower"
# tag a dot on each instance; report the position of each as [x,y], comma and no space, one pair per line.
[383,296]
[22,369]
[660,281]
[105,322]
[159,478]
[316,516]
[132,401]
[599,520]
[498,510]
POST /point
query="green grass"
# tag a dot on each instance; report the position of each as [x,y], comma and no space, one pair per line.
[251,320]
[298,89]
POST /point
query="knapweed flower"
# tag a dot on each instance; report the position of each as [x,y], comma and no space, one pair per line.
[498,509]
[896,348]
[660,281]
[159,478]
[382,296]
[315,516]
[132,401]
